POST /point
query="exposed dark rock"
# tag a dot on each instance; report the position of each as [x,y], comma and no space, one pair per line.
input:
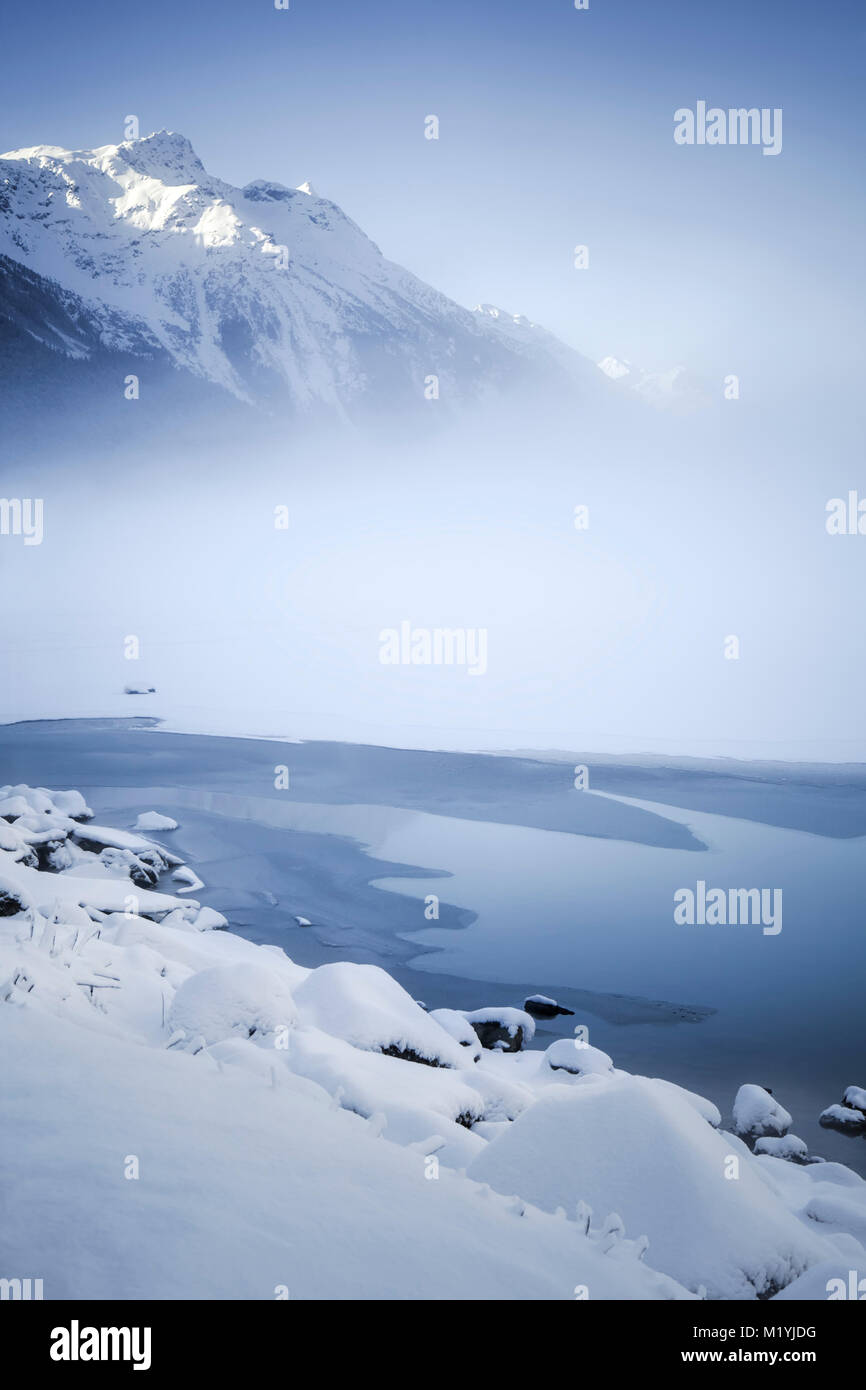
[539,1006]
[467,1119]
[491,1033]
[408,1054]
[844,1119]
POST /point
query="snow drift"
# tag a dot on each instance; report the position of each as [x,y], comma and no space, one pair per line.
[248,1128]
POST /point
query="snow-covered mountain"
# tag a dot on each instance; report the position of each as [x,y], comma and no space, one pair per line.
[270,293]
[674,389]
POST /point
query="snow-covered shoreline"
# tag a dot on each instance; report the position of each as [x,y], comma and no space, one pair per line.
[189,1115]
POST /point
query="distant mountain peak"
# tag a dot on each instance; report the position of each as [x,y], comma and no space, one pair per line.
[675,388]
[614,368]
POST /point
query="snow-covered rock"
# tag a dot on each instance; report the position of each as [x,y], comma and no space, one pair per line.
[413,1100]
[107,835]
[366,1007]
[14,842]
[189,878]
[788,1146]
[154,820]
[229,1000]
[542,1006]
[570,1055]
[72,803]
[757,1113]
[850,1116]
[855,1098]
[11,807]
[502,1027]
[458,1026]
[844,1118]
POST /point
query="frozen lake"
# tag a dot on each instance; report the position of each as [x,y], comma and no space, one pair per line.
[540,887]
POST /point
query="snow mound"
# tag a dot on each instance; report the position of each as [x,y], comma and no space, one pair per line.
[413,1101]
[240,1000]
[107,835]
[502,1027]
[628,1144]
[756,1113]
[460,1029]
[569,1055]
[365,1006]
[72,803]
[787,1146]
[153,820]
[704,1107]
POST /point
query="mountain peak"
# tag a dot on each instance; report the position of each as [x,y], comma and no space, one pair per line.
[266,292]
[614,367]
[165,155]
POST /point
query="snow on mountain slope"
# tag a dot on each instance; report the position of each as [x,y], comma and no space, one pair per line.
[266,291]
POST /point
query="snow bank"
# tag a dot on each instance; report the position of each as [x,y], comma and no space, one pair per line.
[628,1145]
[250,1191]
[288,1137]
